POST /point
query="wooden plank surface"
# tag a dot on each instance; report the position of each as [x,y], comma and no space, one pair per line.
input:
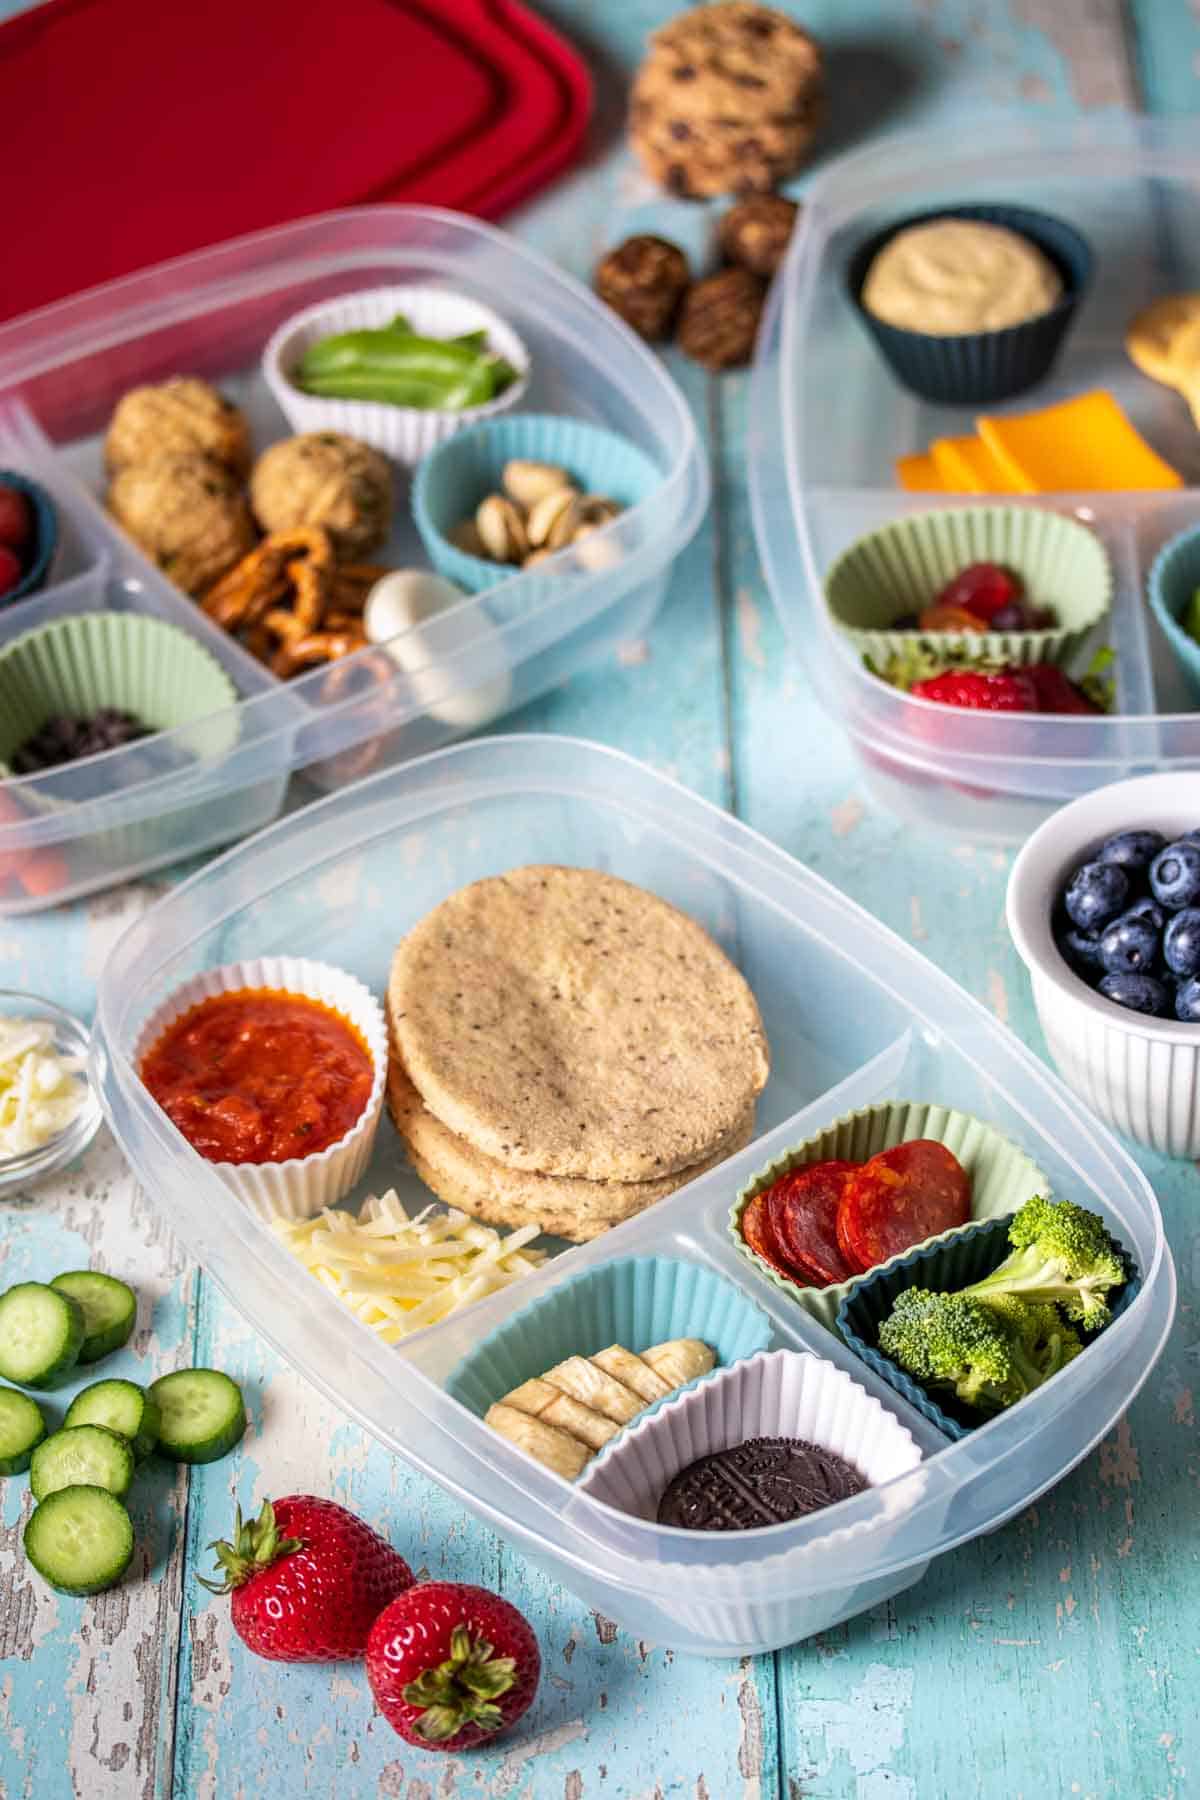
[1058,1656]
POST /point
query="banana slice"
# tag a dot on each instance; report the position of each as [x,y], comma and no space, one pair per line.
[633,1372]
[584,1381]
[552,1448]
[680,1360]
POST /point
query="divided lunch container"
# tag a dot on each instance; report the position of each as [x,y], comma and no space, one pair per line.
[825,431]
[62,371]
[853,1016]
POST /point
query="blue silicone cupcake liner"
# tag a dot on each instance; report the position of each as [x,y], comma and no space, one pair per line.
[452,479]
[637,1301]
[45,536]
[948,1266]
[1174,578]
[976,368]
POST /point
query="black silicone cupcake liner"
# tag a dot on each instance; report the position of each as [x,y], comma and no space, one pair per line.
[977,368]
[948,1267]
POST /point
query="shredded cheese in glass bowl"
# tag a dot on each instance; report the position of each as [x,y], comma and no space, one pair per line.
[399,1275]
[48,1112]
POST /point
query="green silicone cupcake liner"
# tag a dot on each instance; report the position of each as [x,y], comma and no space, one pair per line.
[902,567]
[144,666]
[1002,1178]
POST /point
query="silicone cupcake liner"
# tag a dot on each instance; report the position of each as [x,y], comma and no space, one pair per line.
[406,433]
[45,536]
[948,1266]
[455,477]
[637,1301]
[779,1393]
[302,1186]
[976,368]
[1174,578]
[902,567]
[142,665]
[1002,1178]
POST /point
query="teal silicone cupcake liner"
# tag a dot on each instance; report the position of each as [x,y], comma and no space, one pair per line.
[946,1266]
[37,559]
[979,367]
[453,478]
[636,1302]
[1002,1178]
[1174,579]
[902,567]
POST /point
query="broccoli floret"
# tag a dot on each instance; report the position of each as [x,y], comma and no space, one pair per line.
[950,1341]
[1043,1339]
[1061,1253]
[991,1351]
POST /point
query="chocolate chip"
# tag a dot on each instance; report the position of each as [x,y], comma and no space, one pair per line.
[683,72]
[678,129]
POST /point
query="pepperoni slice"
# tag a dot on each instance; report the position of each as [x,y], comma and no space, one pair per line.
[803,1212]
[903,1195]
[758,1233]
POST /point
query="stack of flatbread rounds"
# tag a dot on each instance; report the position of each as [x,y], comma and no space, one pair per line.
[566,1049]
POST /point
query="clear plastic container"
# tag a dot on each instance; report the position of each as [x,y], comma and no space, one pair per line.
[853,1016]
[826,429]
[62,371]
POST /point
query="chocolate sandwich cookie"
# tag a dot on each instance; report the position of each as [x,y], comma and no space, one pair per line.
[765,1481]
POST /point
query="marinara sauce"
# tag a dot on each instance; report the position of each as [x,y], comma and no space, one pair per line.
[259,1075]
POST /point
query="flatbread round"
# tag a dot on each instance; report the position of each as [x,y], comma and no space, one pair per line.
[568,1023]
[486,1189]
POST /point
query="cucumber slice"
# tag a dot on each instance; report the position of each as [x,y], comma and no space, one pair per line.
[124,1407]
[80,1540]
[41,1334]
[109,1310]
[201,1414]
[22,1428]
[83,1456]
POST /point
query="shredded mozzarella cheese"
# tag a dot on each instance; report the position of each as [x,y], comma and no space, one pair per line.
[41,1091]
[399,1275]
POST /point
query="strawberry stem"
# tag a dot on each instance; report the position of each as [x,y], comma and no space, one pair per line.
[463,1690]
[256,1545]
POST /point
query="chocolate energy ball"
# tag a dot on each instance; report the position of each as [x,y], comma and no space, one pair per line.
[755,233]
[719,321]
[644,280]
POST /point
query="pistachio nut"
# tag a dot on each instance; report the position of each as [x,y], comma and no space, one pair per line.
[545,518]
[502,529]
[529,482]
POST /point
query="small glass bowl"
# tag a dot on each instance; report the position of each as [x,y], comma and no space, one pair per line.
[71,1038]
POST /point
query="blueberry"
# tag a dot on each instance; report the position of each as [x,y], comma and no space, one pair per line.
[1131,849]
[1081,949]
[1181,944]
[1130,945]
[1187,1002]
[1150,909]
[1175,875]
[1141,993]
[1096,893]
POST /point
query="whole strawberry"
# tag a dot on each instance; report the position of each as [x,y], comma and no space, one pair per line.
[308,1579]
[992,690]
[451,1665]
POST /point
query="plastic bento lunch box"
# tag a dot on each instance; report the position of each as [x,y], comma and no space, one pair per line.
[853,1016]
[826,430]
[89,824]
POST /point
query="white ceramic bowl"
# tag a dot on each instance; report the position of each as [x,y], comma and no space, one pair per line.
[1140,1074]
[404,433]
[301,1186]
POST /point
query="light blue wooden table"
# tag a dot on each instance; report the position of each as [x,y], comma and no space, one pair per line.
[1060,1656]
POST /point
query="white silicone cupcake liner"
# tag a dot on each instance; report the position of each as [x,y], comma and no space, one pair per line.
[777,1393]
[402,432]
[300,1187]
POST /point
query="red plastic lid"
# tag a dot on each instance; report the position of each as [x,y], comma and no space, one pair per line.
[144,131]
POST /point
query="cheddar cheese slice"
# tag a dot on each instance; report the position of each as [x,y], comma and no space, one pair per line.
[1086,442]
[918,474]
[967,466]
